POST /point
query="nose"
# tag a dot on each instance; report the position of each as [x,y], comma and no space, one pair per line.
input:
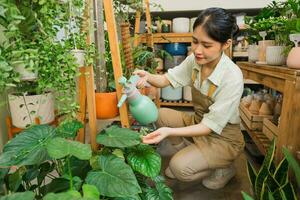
[198,49]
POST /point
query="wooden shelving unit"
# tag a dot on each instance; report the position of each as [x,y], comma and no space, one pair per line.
[286,81]
[169,38]
[181,103]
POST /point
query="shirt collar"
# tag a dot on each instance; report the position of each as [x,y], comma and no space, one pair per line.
[218,73]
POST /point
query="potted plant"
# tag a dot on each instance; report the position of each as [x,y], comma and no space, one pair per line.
[123,168]
[271,182]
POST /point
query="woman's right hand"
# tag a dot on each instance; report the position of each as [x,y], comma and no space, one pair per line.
[144,76]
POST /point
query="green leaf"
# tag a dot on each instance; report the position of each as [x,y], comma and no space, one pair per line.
[264,171]
[74,195]
[118,137]
[115,179]
[69,129]
[293,163]
[19,195]
[78,167]
[56,185]
[251,174]
[3,173]
[136,197]
[246,196]
[281,173]
[144,160]
[270,196]
[60,147]
[289,192]
[28,147]
[90,191]
[15,179]
[271,183]
[161,191]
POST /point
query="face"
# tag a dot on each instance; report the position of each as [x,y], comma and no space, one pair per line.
[205,49]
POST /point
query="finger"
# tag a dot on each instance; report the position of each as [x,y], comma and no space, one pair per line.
[151,141]
[151,135]
[140,73]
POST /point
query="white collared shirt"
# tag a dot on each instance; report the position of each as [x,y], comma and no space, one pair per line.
[228,78]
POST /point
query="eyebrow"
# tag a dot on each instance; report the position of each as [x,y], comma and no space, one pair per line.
[203,42]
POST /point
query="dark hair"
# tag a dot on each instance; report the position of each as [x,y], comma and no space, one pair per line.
[218,24]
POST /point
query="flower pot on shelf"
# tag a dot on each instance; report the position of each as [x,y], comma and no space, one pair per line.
[181,25]
[171,94]
[25,109]
[25,74]
[293,60]
[262,45]
[253,52]
[275,55]
[79,56]
[106,105]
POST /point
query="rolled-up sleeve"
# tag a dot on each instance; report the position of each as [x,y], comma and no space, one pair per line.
[225,106]
[180,75]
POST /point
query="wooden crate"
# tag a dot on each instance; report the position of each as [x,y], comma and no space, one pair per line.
[253,122]
[270,129]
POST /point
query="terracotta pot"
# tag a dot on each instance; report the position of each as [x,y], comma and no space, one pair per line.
[106,105]
[254,107]
[293,60]
[262,45]
[265,109]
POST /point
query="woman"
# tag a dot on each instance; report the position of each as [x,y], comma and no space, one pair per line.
[207,142]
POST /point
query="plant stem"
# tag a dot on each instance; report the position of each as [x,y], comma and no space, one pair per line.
[70,173]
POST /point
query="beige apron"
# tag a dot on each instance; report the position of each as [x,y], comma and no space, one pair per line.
[220,150]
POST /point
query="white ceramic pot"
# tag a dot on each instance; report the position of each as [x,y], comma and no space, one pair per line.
[171,94]
[24,109]
[275,56]
[79,56]
[181,25]
[192,21]
[25,74]
[187,93]
[253,52]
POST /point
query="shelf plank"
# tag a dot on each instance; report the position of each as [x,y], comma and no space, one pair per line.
[240,54]
[181,103]
[168,37]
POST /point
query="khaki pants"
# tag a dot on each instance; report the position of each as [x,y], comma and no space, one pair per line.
[188,163]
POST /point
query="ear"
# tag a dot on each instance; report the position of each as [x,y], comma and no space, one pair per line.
[227,44]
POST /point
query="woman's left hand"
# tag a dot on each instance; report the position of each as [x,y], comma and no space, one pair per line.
[157,136]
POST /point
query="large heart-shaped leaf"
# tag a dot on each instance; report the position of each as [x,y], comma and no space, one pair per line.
[60,147]
[161,191]
[74,195]
[20,195]
[118,137]
[90,192]
[145,160]
[78,167]
[69,129]
[115,179]
[28,147]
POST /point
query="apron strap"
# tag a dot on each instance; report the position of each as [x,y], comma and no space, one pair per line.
[212,87]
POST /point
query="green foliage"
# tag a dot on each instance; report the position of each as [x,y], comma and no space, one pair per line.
[118,137]
[270,184]
[16,196]
[293,163]
[42,152]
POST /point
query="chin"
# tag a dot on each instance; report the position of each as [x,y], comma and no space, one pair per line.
[201,62]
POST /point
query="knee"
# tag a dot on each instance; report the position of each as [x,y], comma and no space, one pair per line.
[180,170]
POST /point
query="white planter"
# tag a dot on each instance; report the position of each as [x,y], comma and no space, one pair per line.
[24,109]
[187,93]
[169,93]
[275,56]
[192,21]
[253,52]
[25,74]
[181,25]
[79,56]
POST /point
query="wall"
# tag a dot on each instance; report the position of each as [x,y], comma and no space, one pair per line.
[190,5]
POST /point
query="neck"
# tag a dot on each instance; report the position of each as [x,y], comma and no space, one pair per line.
[213,64]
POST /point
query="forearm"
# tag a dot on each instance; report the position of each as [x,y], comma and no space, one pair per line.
[190,131]
[158,80]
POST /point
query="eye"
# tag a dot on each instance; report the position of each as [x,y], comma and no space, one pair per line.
[195,41]
[206,46]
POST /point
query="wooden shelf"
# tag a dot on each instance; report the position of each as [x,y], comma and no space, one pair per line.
[240,54]
[169,37]
[286,81]
[260,140]
[182,103]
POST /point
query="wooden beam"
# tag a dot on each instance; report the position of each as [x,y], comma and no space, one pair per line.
[137,28]
[115,53]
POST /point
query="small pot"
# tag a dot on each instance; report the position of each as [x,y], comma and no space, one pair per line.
[253,52]
[79,56]
[176,49]
[25,74]
[262,46]
[169,93]
[181,25]
[106,105]
[275,56]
